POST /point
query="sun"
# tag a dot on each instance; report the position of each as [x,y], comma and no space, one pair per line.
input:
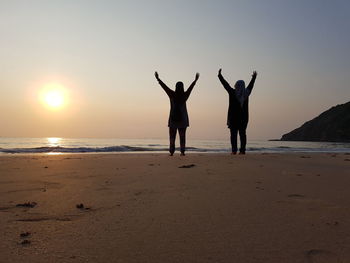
[53,96]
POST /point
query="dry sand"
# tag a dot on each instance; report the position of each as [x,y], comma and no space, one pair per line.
[144,208]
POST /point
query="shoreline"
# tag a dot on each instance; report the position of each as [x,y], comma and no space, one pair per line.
[342,151]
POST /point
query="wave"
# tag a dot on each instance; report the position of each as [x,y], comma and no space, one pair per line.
[59,149]
[122,148]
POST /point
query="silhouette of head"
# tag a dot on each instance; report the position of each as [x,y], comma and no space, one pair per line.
[240,85]
[179,87]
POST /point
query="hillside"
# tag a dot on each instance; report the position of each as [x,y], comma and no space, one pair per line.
[332,125]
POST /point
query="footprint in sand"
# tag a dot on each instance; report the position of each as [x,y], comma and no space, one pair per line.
[28,204]
[82,207]
[187,166]
[321,256]
[25,234]
[25,242]
[335,223]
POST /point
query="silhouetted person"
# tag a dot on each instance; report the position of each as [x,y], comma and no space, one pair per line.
[238,113]
[178,117]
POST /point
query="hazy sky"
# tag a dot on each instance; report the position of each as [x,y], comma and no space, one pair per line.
[105,54]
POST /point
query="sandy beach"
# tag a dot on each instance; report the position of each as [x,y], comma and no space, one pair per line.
[156,208]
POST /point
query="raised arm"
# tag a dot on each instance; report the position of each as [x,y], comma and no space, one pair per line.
[252,81]
[224,82]
[190,88]
[162,84]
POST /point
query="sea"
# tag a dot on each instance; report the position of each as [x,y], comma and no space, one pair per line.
[56,145]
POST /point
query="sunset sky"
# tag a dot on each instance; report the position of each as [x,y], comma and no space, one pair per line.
[104,54]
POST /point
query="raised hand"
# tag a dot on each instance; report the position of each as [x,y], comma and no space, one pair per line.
[254,74]
[156,75]
[197,76]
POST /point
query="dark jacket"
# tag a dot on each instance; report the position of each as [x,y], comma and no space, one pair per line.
[178,116]
[237,116]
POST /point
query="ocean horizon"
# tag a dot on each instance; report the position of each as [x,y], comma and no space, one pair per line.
[89,145]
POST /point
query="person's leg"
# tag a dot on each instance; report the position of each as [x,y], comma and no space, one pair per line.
[182,133]
[234,132]
[172,137]
[243,138]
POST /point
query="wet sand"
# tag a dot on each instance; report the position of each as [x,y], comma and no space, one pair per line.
[156,208]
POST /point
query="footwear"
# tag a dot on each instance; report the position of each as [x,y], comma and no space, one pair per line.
[242,153]
[233,153]
[182,154]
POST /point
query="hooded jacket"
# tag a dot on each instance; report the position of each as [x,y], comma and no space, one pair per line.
[238,112]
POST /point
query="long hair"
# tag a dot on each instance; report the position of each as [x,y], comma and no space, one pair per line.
[179,91]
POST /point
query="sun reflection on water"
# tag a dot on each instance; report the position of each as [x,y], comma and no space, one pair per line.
[53,141]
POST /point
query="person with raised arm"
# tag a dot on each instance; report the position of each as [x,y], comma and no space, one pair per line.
[178,117]
[238,112]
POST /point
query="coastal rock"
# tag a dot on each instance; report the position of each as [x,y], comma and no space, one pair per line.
[332,125]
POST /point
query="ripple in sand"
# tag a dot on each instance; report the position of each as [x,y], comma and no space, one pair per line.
[40,219]
[321,256]
[296,196]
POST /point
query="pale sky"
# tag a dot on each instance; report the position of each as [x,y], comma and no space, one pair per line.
[105,54]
